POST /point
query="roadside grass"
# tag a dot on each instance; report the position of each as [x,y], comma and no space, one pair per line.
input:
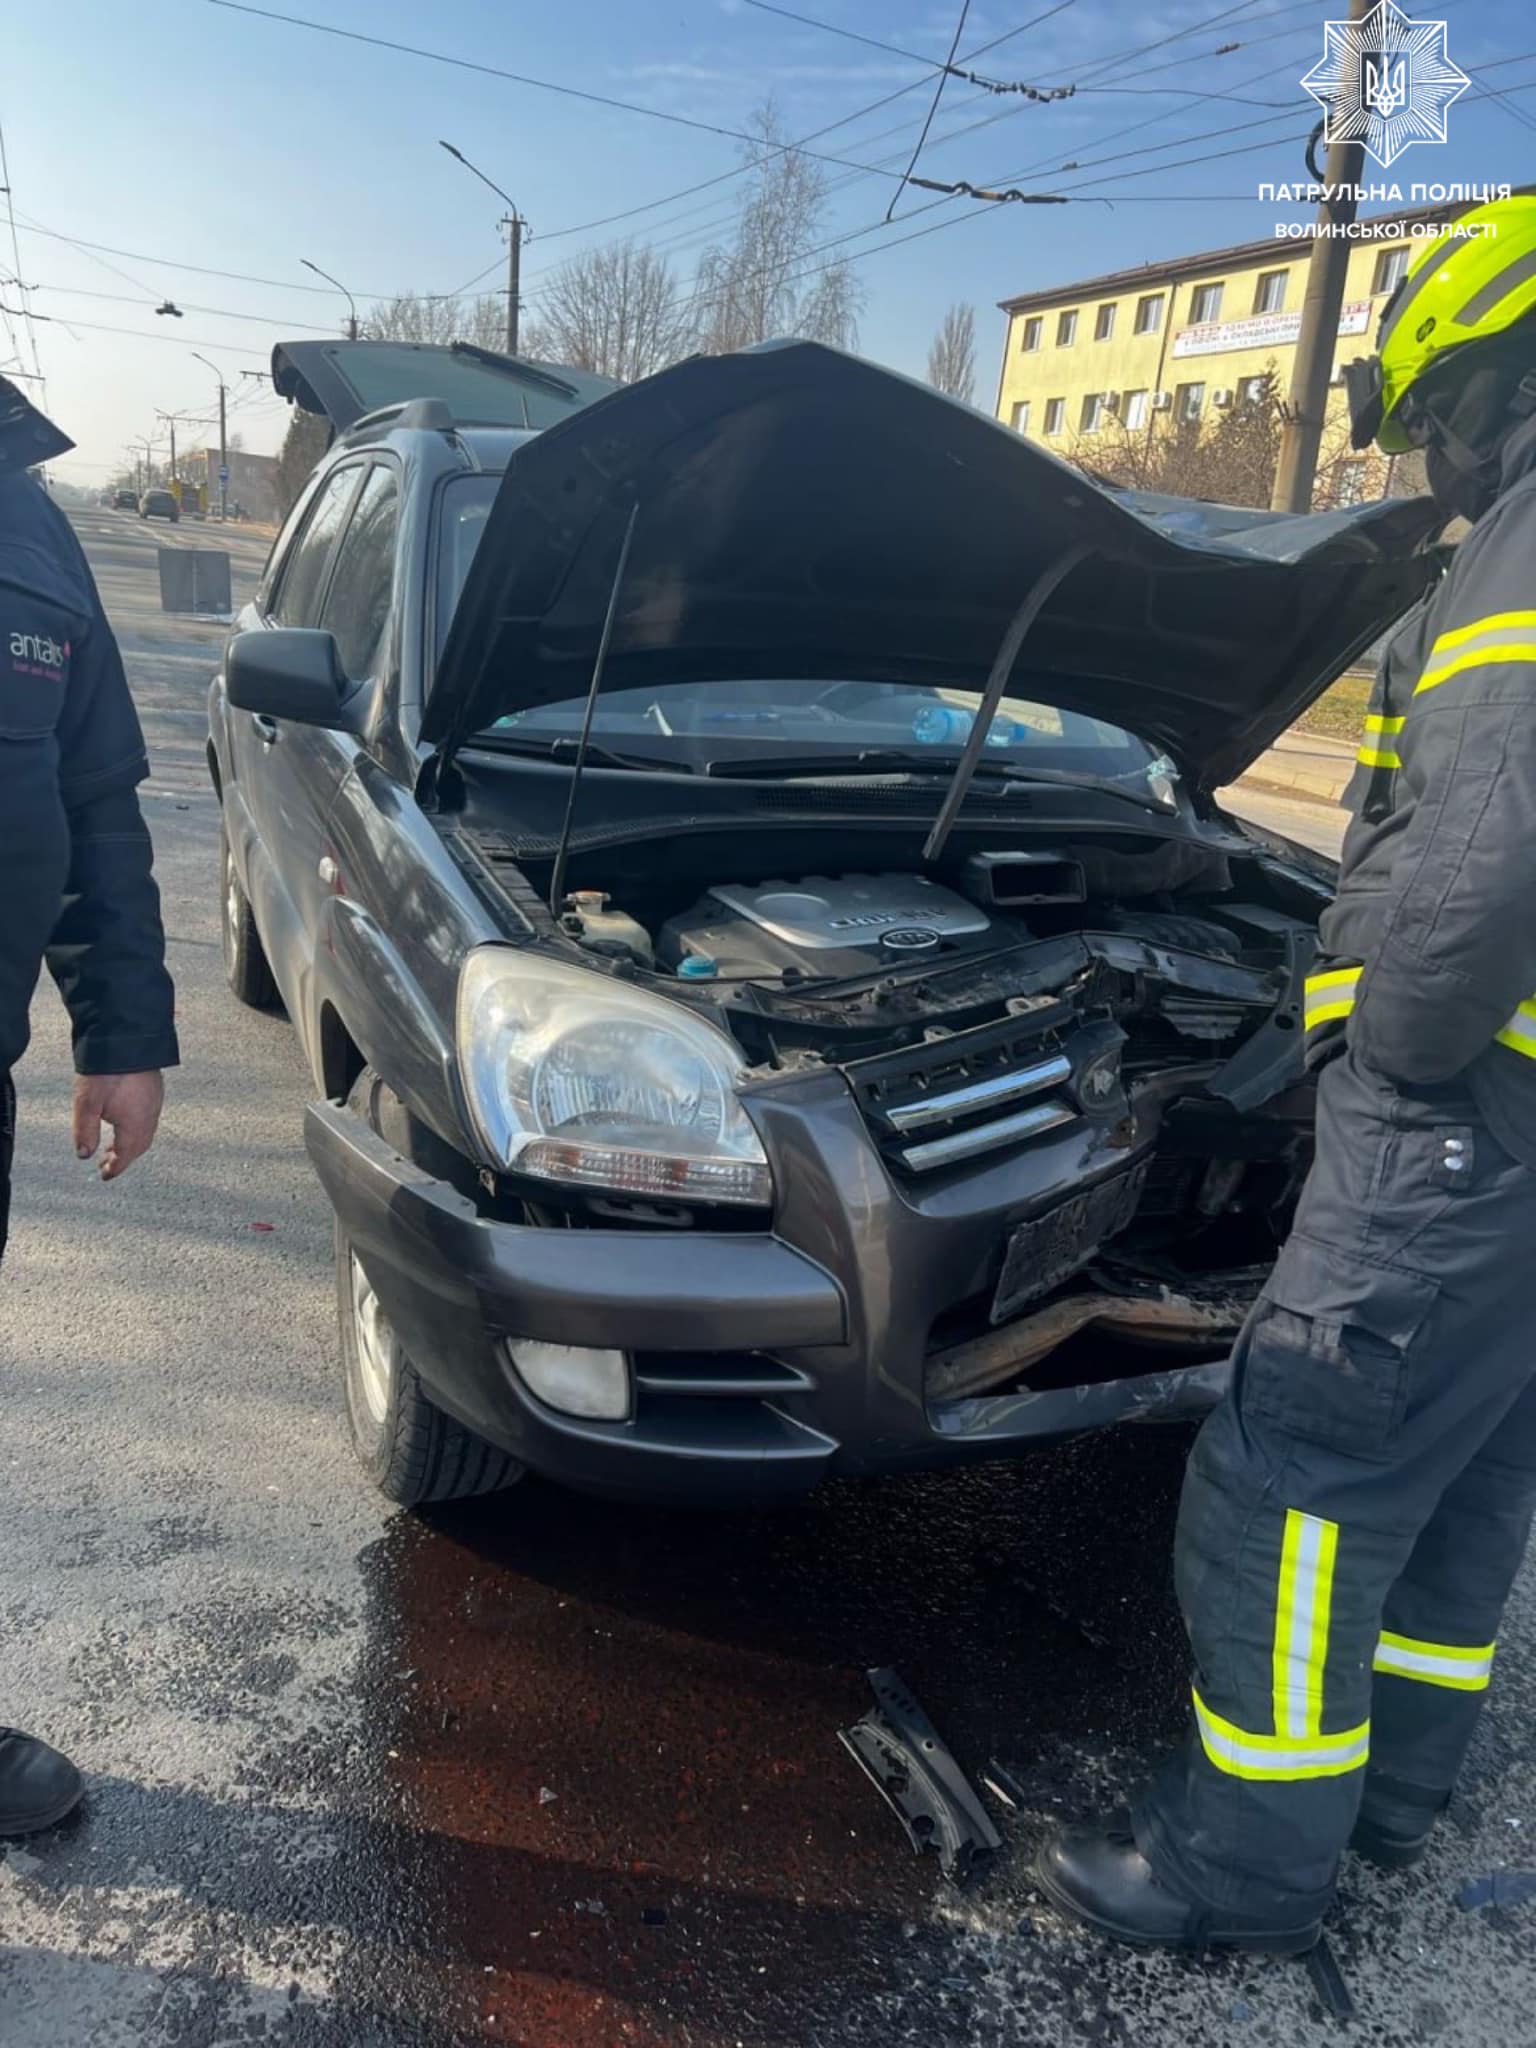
[1340,711]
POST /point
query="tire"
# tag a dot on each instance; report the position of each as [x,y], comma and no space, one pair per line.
[245,964]
[409,1448]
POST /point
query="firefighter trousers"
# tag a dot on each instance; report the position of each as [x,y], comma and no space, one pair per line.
[1355,1511]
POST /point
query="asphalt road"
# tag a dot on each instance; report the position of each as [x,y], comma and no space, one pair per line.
[546,1771]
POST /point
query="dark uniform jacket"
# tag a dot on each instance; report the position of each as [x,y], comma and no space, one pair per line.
[75,863]
[1430,946]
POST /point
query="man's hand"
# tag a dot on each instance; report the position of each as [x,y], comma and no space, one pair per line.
[130,1103]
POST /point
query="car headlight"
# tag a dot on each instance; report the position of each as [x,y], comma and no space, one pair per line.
[576,1079]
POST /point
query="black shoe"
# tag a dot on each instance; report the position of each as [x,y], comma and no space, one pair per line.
[1395,1823]
[38,1786]
[1097,1874]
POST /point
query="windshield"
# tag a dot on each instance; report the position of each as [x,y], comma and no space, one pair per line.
[689,725]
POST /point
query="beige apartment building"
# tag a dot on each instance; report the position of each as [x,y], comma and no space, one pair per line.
[1179,342]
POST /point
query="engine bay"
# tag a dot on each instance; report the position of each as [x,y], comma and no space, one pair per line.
[1126,1005]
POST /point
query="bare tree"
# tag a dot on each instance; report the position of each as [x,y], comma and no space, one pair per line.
[1232,461]
[306,440]
[952,354]
[616,310]
[415,316]
[756,283]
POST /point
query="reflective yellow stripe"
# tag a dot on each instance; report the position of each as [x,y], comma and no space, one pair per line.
[1243,1755]
[1375,721]
[1448,1664]
[1330,995]
[1496,622]
[1475,657]
[1302,1608]
[1519,1034]
[1378,757]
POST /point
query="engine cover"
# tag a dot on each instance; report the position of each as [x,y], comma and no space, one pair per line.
[825,925]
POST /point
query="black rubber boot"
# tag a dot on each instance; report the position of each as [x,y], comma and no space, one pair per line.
[38,1785]
[1396,1821]
[1097,1874]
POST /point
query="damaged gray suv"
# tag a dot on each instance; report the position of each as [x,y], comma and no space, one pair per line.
[740,854]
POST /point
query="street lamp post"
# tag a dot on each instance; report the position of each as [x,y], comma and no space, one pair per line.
[516,228]
[351,302]
[223,437]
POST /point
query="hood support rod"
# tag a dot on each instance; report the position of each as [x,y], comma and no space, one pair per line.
[997,682]
[557,874]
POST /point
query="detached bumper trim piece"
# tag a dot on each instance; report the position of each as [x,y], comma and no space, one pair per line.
[900,1752]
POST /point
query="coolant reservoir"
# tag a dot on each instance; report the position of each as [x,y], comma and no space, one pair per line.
[590,920]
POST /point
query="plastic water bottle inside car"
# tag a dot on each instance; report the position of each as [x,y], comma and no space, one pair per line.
[949,725]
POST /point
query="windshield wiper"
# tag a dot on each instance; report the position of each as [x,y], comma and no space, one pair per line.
[868,761]
[569,748]
[894,760]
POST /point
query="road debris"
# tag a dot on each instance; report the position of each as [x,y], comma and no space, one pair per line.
[899,1749]
[1328,1981]
[1498,1888]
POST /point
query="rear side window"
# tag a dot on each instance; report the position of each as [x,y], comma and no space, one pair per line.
[298,594]
[357,606]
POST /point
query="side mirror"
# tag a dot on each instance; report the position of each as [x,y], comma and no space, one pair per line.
[291,672]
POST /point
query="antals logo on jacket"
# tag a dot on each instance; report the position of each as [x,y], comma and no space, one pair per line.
[38,654]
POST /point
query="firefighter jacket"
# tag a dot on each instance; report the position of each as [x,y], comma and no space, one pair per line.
[1429,950]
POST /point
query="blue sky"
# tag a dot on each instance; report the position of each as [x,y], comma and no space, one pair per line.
[190,134]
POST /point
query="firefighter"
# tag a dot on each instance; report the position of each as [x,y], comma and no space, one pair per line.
[77,887]
[1356,1509]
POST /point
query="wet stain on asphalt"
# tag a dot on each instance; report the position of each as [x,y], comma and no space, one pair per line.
[611,1732]
[583,1786]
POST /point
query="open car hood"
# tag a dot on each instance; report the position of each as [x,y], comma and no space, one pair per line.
[805,514]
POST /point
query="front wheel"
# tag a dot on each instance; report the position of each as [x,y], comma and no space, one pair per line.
[245,964]
[408,1447]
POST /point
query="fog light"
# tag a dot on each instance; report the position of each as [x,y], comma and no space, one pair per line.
[574,1379]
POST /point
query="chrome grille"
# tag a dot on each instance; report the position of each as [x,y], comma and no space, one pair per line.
[967,1093]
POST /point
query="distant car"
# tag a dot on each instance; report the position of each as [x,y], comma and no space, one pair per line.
[727,1122]
[159,505]
[123,501]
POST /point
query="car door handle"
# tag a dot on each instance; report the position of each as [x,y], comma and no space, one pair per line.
[266,728]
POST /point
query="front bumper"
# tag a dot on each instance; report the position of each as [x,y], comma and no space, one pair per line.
[764,1360]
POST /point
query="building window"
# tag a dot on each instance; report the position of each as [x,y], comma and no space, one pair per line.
[1104,322]
[1134,409]
[1149,313]
[1095,409]
[1066,329]
[1269,295]
[1021,415]
[1251,390]
[1034,327]
[1350,489]
[1205,305]
[1055,415]
[1188,402]
[1391,265]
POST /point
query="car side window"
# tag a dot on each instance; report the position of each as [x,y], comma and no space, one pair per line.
[298,593]
[356,607]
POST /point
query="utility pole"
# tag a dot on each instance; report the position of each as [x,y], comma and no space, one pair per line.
[516,228]
[1302,437]
[170,419]
[514,224]
[223,436]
